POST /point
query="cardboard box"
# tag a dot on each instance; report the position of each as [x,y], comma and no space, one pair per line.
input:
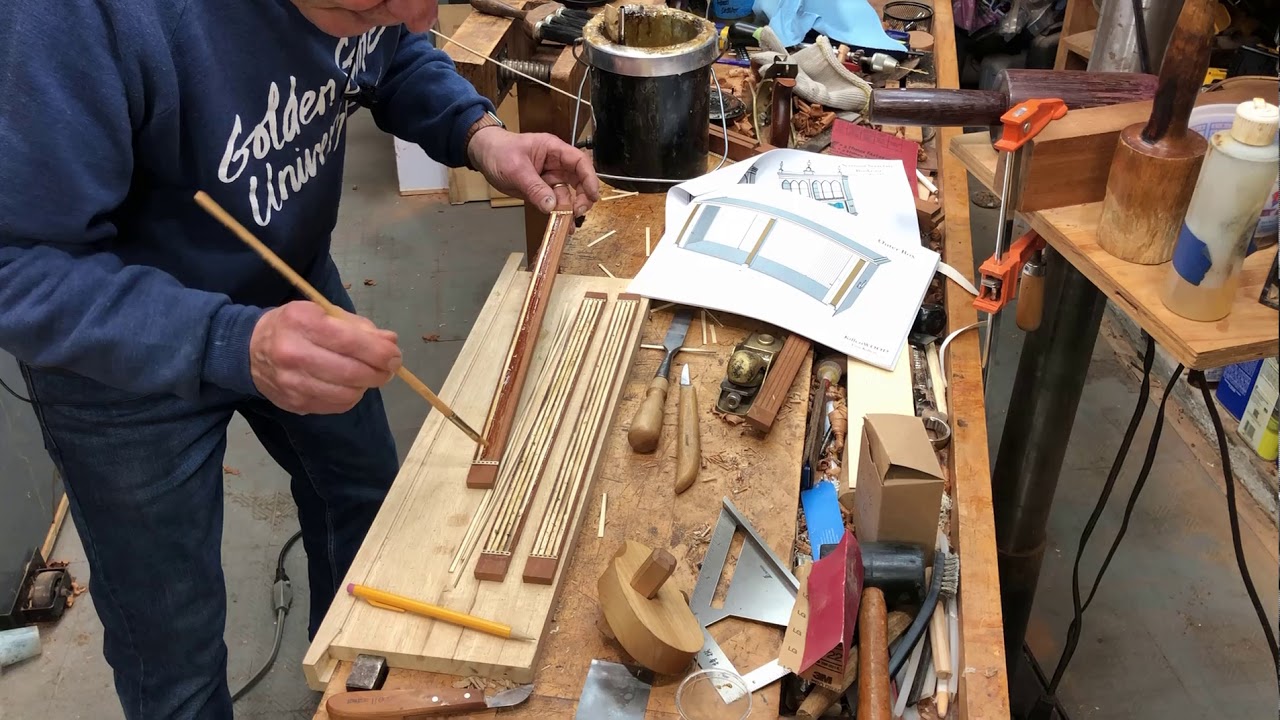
[899,483]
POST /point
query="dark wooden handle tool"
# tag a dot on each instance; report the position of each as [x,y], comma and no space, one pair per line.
[1156,164]
[946,107]
[404,704]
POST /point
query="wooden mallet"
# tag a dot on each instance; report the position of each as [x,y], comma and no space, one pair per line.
[1157,163]
[213,208]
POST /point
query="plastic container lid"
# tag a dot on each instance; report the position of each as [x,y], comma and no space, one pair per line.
[1255,122]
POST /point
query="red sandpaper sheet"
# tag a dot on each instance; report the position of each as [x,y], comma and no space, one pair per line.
[835,593]
[856,141]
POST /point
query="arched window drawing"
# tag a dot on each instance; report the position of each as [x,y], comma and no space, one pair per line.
[795,250]
[831,189]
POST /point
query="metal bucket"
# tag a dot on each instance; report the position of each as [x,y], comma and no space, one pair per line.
[650,70]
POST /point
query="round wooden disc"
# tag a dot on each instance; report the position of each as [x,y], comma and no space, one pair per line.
[920,40]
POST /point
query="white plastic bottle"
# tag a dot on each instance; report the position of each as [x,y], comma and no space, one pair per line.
[1234,183]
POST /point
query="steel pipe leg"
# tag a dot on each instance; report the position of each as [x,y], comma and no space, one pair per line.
[1046,393]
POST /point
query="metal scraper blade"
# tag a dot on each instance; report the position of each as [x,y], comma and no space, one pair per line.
[614,691]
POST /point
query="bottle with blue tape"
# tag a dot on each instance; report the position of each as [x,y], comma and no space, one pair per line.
[1234,183]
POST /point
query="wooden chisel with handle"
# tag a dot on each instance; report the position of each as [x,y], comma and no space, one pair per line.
[689,451]
[646,426]
[412,704]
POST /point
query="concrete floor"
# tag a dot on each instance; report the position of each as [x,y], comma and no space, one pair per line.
[1171,634]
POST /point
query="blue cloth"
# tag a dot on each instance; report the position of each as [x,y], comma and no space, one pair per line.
[144,482]
[853,22]
[115,113]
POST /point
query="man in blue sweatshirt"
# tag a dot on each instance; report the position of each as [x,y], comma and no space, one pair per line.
[142,325]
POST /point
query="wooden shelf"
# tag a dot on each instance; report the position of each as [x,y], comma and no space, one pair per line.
[1248,333]
[1081,43]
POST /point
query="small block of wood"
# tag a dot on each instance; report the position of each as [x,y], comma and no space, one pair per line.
[782,373]
[483,475]
[653,573]
[493,566]
[540,570]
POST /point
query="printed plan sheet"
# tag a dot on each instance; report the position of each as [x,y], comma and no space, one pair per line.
[824,246]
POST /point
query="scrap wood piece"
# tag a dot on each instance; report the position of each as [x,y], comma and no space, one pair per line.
[571,482]
[604,503]
[601,239]
[605,270]
[515,492]
[777,384]
[484,468]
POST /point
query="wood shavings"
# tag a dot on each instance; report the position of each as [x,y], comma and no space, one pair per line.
[346,286]
[370,282]
[433,337]
[721,461]
[739,485]
[76,591]
[811,119]
[228,470]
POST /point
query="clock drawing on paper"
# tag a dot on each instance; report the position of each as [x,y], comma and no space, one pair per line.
[798,251]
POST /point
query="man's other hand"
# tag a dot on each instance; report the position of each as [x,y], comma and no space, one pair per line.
[348,18]
[306,362]
[528,165]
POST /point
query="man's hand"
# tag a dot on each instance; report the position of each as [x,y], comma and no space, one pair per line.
[306,362]
[528,165]
[348,18]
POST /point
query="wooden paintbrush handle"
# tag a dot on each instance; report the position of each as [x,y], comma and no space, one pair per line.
[403,704]
[498,8]
[646,426]
[1182,72]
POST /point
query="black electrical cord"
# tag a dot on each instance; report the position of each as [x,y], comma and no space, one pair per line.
[1048,700]
[1073,632]
[282,595]
[1233,515]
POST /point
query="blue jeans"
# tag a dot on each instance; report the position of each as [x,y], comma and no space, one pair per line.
[144,479]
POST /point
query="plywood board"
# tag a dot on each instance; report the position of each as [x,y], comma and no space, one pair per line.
[422,522]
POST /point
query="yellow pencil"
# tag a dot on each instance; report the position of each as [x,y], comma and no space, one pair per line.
[398,603]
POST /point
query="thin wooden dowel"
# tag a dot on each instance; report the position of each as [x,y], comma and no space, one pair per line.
[535,452]
[648,248]
[483,513]
[556,508]
[714,319]
[602,238]
[577,457]
[704,327]
[300,283]
[604,503]
[620,195]
[605,270]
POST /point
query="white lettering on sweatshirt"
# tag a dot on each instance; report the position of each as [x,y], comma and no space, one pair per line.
[271,185]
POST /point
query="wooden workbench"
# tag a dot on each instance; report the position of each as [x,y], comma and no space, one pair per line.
[761,475]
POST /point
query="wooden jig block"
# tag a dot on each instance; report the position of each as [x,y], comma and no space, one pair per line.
[520,476]
[502,413]
[572,481]
[654,625]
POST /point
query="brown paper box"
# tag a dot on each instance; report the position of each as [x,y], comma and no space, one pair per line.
[899,483]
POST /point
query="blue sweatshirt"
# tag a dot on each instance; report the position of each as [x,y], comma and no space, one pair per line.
[114,112]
